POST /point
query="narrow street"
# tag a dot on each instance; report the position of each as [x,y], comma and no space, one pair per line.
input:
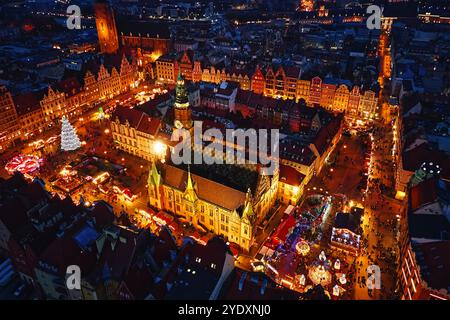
[380,221]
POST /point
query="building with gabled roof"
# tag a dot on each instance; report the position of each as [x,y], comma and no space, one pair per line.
[201,270]
[205,198]
[134,131]
[244,285]
[29,113]
[9,125]
[422,272]
[290,185]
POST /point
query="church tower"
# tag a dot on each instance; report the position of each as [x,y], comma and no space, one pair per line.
[182,111]
[106,27]
[247,219]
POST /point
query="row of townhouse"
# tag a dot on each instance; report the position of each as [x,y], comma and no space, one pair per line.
[283,82]
[168,66]
[30,113]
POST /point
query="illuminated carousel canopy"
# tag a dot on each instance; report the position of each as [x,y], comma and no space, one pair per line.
[302,247]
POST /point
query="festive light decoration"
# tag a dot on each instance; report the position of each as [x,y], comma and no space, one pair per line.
[23,163]
[343,279]
[319,275]
[69,138]
[302,280]
[322,256]
[302,247]
[101,113]
[336,290]
[337,264]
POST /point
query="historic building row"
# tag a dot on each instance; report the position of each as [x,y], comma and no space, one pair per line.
[282,82]
[33,112]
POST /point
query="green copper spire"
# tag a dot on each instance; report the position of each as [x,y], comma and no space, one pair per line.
[248,213]
[190,193]
[154,178]
[190,184]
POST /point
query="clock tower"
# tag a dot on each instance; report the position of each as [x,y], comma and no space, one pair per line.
[106,27]
[182,111]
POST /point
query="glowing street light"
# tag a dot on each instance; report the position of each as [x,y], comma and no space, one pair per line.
[159,148]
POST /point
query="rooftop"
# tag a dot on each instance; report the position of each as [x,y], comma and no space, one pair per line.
[434,262]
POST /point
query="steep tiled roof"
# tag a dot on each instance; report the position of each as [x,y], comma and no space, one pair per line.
[199,268]
[326,135]
[65,251]
[413,159]
[206,189]
[322,140]
[28,102]
[70,86]
[117,254]
[102,213]
[290,175]
[296,153]
[292,71]
[429,226]
[139,282]
[149,125]
[137,119]
[434,262]
[424,193]
[243,285]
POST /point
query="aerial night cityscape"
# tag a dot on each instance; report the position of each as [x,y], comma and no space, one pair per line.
[208,151]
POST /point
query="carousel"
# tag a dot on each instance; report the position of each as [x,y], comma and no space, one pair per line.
[25,164]
[302,247]
[319,273]
[328,274]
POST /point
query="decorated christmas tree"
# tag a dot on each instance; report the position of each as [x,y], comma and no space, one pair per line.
[69,138]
